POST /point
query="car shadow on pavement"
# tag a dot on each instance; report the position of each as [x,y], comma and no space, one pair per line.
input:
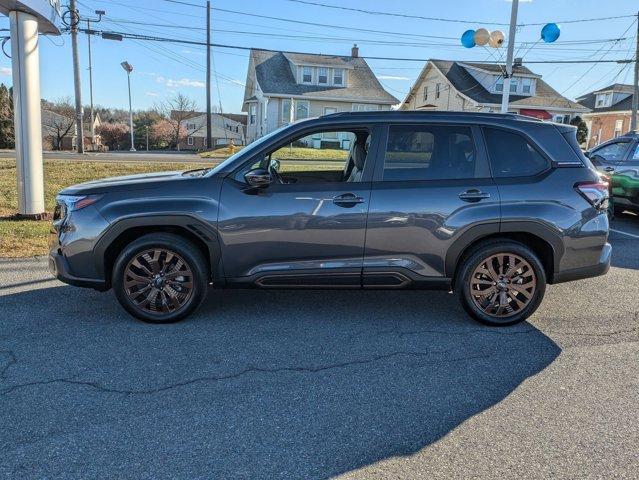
[257,384]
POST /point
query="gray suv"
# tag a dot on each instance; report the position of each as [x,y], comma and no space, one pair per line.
[493,207]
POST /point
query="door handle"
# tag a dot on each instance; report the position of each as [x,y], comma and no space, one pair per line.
[347,200]
[609,169]
[473,195]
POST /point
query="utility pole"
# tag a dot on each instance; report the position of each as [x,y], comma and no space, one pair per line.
[505,94]
[91,85]
[147,138]
[635,96]
[209,123]
[75,19]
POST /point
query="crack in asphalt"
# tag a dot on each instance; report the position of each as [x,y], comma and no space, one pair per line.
[97,386]
[12,361]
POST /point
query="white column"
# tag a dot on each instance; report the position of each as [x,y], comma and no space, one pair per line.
[25,62]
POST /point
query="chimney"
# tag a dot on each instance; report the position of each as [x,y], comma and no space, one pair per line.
[355,51]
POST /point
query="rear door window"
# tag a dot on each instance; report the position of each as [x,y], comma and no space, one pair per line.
[429,152]
[511,155]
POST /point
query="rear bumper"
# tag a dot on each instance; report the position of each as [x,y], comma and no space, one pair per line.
[60,269]
[600,268]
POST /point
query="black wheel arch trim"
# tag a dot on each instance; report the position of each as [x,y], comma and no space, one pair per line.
[478,232]
[196,225]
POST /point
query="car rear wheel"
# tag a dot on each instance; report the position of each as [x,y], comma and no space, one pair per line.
[160,278]
[501,283]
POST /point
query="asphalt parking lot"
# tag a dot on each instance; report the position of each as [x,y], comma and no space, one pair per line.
[298,384]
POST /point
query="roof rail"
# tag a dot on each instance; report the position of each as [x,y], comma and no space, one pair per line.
[435,113]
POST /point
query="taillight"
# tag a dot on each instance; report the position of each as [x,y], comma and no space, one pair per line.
[595,192]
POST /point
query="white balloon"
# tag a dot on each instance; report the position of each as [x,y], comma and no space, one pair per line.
[481,37]
[496,39]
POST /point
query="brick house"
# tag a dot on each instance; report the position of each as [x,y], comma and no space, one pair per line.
[225,128]
[465,86]
[610,111]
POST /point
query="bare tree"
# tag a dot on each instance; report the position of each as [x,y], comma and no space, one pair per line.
[58,120]
[177,110]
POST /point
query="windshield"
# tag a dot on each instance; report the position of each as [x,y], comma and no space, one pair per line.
[256,145]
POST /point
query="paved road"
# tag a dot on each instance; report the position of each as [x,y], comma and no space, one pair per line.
[366,385]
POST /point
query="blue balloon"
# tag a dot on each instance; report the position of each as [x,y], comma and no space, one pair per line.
[468,39]
[550,32]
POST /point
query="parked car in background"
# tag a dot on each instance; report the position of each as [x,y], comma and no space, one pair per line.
[619,160]
[491,206]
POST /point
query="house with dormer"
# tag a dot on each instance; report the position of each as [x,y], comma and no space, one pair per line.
[464,86]
[610,112]
[282,87]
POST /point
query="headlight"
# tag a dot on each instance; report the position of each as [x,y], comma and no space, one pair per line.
[71,203]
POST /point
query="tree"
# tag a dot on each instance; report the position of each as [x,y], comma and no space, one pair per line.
[7,132]
[144,122]
[177,110]
[58,120]
[114,135]
[161,134]
[582,129]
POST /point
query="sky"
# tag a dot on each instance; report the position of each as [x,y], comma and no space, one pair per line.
[163,69]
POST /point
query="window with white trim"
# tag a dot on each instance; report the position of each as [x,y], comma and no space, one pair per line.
[189,141]
[301,110]
[307,75]
[365,107]
[499,84]
[603,100]
[513,85]
[338,76]
[252,113]
[322,76]
[526,85]
[437,88]
[425,92]
[618,127]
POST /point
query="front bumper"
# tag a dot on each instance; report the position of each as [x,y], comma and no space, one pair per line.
[60,269]
[601,268]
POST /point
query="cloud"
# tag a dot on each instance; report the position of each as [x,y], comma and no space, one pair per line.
[6,71]
[392,77]
[182,82]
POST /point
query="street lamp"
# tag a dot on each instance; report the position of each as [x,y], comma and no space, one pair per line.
[128,68]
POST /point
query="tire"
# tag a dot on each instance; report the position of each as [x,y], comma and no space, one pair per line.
[521,300]
[160,278]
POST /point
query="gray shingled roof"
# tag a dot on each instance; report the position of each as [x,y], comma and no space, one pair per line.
[589,99]
[275,77]
[464,82]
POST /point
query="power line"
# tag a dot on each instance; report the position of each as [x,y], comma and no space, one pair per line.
[404,59]
[451,20]
[393,14]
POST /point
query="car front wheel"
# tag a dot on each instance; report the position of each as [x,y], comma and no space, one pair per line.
[501,283]
[160,278]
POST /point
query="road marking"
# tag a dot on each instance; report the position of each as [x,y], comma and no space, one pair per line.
[624,233]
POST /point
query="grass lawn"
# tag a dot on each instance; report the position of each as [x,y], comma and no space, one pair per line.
[291,153]
[23,238]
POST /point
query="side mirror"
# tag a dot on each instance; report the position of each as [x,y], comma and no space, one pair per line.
[258,178]
[274,165]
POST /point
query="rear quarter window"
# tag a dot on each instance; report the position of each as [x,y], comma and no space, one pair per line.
[511,155]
